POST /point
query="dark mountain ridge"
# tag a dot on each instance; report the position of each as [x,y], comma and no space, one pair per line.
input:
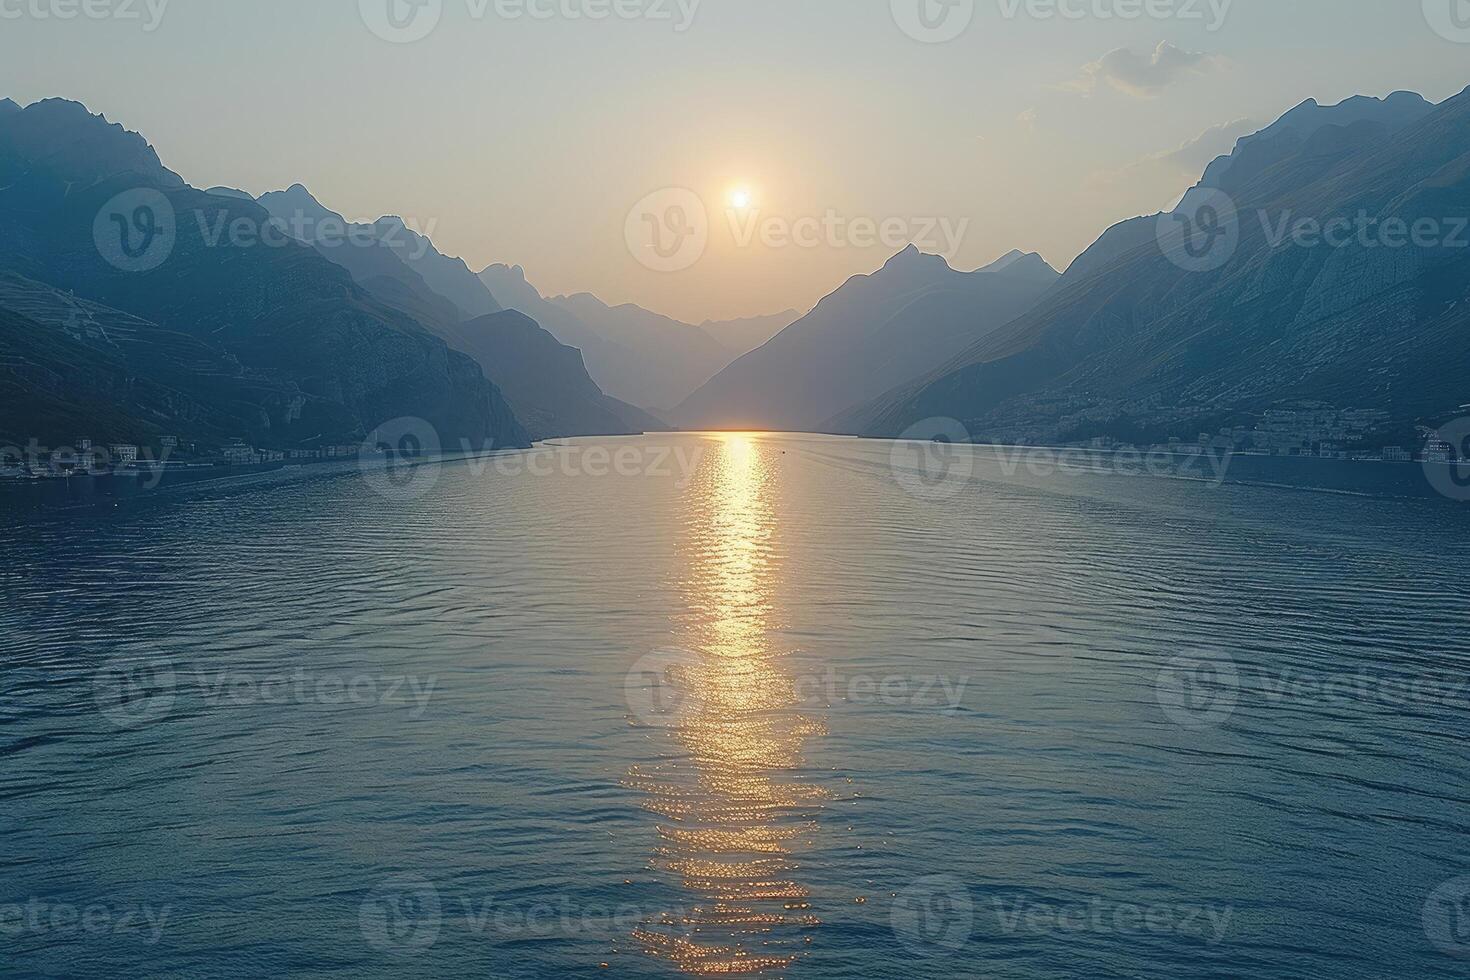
[1143,344]
[338,362]
[545,380]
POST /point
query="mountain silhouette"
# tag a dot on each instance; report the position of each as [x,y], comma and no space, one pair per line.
[374,263]
[741,336]
[330,361]
[1142,345]
[873,333]
[445,275]
[546,381]
[639,357]
[669,359]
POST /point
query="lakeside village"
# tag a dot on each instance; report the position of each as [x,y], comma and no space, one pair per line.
[1321,433]
[1312,433]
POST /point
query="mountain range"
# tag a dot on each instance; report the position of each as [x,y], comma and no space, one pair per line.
[873,333]
[1143,338]
[546,382]
[274,321]
[635,355]
[133,306]
[287,350]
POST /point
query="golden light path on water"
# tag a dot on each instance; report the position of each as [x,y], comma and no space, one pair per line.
[732,815]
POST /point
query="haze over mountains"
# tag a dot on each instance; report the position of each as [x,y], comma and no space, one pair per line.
[272,344]
[874,332]
[333,327]
[634,354]
[1148,336]
[546,382]
[276,322]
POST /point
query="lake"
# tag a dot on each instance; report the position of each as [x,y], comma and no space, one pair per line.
[773,705]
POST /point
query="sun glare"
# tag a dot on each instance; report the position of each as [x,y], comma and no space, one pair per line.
[740,199]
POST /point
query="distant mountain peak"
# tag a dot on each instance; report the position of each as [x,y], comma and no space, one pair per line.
[1394,111]
[1304,113]
[298,194]
[912,258]
[1024,266]
[1024,263]
[8,106]
[296,198]
[1010,258]
[75,141]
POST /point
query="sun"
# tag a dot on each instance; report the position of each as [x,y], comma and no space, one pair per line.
[740,199]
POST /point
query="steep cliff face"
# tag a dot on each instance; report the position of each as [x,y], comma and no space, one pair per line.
[373,261]
[546,382]
[1152,339]
[86,207]
[73,368]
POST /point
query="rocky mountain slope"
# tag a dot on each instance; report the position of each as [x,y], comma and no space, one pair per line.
[1302,279]
[545,380]
[87,208]
[637,355]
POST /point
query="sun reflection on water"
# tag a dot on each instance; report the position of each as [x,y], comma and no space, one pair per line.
[734,813]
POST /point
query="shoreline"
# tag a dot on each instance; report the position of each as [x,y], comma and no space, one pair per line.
[1364,477]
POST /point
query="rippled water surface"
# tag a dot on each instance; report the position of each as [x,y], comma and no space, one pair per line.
[760,705]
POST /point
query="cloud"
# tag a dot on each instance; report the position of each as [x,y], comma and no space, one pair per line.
[1193,156]
[1143,76]
[1027,120]
[1185,162]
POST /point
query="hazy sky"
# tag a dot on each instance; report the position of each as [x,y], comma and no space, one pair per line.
[530,140]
